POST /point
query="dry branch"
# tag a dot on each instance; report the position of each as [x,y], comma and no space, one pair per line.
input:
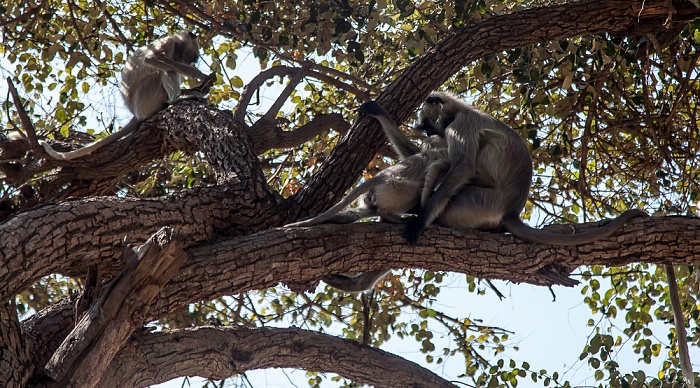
[87,351]
[276,138]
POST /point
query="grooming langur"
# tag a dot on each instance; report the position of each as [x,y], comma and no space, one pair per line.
[150,80]
[489,174]
[393,191]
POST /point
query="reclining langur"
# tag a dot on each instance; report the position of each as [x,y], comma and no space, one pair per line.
[393,191]
[150,80]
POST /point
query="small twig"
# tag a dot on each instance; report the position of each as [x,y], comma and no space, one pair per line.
[277,105]
[679,321]
[254,85]
[24,117]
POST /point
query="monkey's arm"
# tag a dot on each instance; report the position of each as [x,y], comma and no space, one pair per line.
[353,195]
[161,62]
[401,144]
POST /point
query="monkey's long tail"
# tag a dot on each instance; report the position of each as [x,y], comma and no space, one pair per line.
[132,126]
[353,195]
[513,224]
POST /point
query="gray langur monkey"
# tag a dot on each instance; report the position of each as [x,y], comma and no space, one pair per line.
[393,191]
[151,79]
[486,186]
[396,190]
[489,176]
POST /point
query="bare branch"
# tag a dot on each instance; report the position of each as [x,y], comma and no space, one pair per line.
[297,76]
[255,84]
[24,117]
[87,351]
[679,322]
[340,85]
[339,74]
[277,138]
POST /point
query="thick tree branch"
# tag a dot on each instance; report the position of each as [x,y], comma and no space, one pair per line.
[86,353]
[16,365]
[71,228]
[220,352]
[300,257]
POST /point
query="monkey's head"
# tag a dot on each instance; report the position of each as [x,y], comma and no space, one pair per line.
[429,119]
[187,48]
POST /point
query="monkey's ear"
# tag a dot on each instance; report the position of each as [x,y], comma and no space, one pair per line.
[434,100]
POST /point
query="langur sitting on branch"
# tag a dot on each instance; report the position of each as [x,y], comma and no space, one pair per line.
[150,80]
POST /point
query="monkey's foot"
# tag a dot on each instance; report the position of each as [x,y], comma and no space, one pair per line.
[414,228]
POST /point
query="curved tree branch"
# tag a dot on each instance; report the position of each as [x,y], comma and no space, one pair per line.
[220,352]
[277,138]
[86,353]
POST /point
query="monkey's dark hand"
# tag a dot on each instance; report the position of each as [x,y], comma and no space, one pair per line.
[202,89]
[414,228]
[206,84]
[372,108]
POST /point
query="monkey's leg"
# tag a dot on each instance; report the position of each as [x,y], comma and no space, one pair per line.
[457,178]
[473,208]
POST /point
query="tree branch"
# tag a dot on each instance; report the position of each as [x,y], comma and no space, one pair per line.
[71,228]
[16,365]
[87,351]
[299,257]
[255,84]
[220,352]
[277,138]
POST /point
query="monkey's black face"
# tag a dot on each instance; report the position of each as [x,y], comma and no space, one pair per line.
[191,57]
[429,129]
[434,100]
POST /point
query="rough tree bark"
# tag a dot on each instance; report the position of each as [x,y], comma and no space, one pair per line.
[225,230]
